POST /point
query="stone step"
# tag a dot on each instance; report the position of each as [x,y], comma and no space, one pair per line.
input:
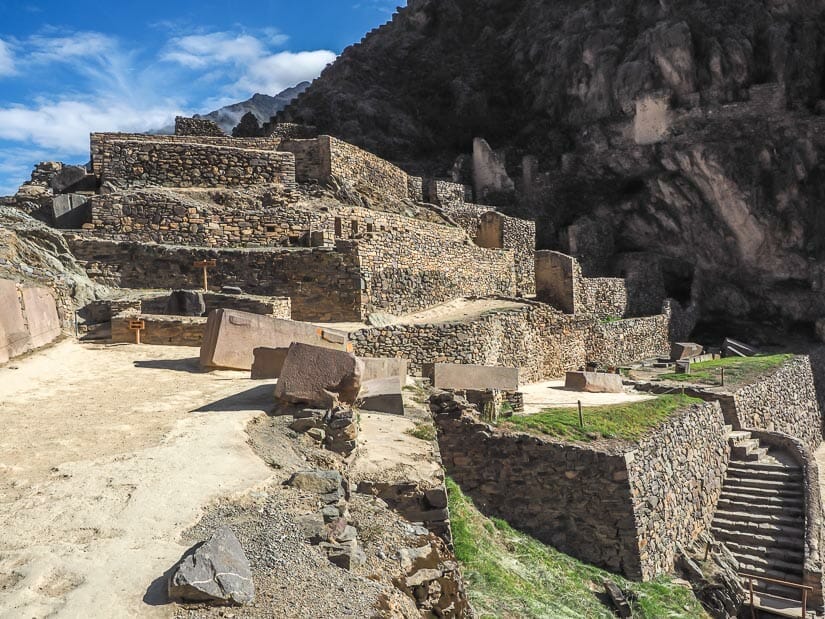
[766,507]
[771,554]
[755,498]
[760,535]
[751,562]
[780,604]
[759,488]
[770,472]
[738,435]
[750,453]
[797,522]
[763,466]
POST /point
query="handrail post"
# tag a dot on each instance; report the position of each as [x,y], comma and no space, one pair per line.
[753,605]
[804,603]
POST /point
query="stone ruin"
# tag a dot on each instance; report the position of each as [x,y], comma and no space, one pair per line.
[306,259]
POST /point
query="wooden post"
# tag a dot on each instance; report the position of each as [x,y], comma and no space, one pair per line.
[205,264]
[723,376]
[137,326]
[581,417]
[753,605]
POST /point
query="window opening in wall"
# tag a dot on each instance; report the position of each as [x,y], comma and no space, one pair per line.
[338,228]
[354,227]
[369,228]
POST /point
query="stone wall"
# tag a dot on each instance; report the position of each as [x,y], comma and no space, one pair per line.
[784,401]
[416,268]
[160,330]
[518,235]
[676,476]
[624,341]
[278,307]
[197,126]
[143,163]
[101,143]
[624,507]
[538,339]
[559,282]
[324,284]
[573,497]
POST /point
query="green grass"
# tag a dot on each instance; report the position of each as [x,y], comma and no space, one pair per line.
[509,574]
[424,431]
[619,421]
[738,370]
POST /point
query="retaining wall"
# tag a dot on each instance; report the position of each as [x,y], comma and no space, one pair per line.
[623,507]
[538,339]
[144,163]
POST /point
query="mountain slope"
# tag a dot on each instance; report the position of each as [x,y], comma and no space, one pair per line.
[263,107]
[726,200]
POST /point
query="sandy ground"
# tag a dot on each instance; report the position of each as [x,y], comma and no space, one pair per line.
[458,310]
[553,394]
[107,454]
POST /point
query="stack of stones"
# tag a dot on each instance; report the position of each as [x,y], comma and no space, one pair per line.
[329,527]
[335,429]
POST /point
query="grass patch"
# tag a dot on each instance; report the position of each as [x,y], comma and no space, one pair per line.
[738,370]
[510,574]
[623,421]
[424,431]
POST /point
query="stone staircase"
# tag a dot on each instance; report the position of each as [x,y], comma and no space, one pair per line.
[760,517]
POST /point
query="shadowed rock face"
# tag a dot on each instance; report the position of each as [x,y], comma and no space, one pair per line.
[687,130]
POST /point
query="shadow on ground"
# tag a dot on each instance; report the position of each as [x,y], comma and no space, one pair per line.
[258,398]
[191,365]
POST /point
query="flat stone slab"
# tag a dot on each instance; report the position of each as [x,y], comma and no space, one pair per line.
[70,211]
[319,377]
[387,367]
[594,382]
[481,377]
[381,395]
[217,571]
[268,362]
[685,350]
[41,316]
[231,336]
[14,336]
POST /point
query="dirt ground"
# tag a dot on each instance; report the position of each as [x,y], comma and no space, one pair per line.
[551,393]
[107,454]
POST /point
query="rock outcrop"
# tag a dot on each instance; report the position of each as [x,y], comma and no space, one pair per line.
[687,134]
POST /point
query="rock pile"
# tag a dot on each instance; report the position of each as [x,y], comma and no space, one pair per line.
[334,428]
[329,527]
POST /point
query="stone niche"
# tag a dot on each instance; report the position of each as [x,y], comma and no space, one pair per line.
[556,276]
[490,231]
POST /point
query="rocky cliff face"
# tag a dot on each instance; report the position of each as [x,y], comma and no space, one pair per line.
[684,135]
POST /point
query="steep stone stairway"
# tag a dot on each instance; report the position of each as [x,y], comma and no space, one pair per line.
[761,519]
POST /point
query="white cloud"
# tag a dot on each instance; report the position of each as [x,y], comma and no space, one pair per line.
[198,51]
[69,47]
[65,125]
[274,73]
[6,59]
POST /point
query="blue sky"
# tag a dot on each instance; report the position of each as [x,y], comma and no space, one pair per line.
[69,68]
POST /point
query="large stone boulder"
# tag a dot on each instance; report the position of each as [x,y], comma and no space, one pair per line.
[186,303]
[231,336]
[382,395]
[268,362]
[685,350]
[593,382]
[319,377]
[462,376]
[217,571]
[70,211]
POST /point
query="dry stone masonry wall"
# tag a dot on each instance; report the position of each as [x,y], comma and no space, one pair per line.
[676,476]
[538,339]
[624,508]
[197,126]
[323,284]
[145,163]
[101,144]
[784,401]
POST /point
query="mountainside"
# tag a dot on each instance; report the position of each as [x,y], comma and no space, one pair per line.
[263,107]
[686,133]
